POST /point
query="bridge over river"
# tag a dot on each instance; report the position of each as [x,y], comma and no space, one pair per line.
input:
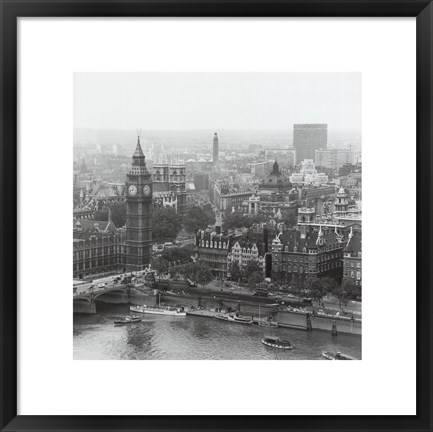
[84,299]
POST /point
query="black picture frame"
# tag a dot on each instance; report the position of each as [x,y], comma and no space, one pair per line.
[12,10]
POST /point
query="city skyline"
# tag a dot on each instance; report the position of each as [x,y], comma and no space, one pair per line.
[187,243]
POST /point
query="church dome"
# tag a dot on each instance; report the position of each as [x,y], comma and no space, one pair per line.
[275,179]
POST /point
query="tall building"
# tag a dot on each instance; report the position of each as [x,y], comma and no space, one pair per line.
[307,138]
[333,158]
[215,148]
[138,213]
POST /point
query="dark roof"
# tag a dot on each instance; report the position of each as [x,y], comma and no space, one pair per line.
[354,245]
[230,239]
[292,238]
[90,224]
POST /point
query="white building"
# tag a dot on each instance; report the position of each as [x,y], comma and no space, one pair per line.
[244,255]
[308,174]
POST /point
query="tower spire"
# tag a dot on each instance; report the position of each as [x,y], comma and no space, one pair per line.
[319,240]
[138,150]
[350,235]
[138,158]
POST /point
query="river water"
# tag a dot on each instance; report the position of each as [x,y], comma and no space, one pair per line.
[194,338]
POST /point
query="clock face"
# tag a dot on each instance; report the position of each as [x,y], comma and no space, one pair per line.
[146,190]
[132,190]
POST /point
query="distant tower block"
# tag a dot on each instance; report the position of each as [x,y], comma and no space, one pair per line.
[215,148]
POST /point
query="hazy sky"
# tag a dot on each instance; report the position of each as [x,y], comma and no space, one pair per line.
[176,101]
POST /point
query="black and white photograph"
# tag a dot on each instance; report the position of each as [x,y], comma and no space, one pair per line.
[217,216]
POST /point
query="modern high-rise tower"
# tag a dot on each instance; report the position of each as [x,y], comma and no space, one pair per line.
[215,148]
[307,138]
[138,213]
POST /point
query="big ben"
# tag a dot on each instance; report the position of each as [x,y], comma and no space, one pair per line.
[138,213]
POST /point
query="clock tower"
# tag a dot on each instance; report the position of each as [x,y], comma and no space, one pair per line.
[138,213]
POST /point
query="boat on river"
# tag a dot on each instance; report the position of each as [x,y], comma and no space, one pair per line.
[158,310]
[337,356]
[130,319]
[234,319]
[267,323]
[276,342]
[271,324]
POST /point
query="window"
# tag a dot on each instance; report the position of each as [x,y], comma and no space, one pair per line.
[358,265]
[352,274]
[358,275]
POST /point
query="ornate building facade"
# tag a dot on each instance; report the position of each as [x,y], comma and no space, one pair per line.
[169,186]
[352,257]
[275,193]
[244,253]
[98,247]
[138,213]
[213,249]
[298,256]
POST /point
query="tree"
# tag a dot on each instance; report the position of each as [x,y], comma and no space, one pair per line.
[177,255]
[234,220]
[235,271]
[190,248]
[238,220]
[160,265]
[352,290]
[296,285]
[190,271]
[166,224]
[346,291]
[255,279]
[198,218]
[204,275]
[290,218]
[329,285]
[341,294]
[250,268]
[316,287]
[173,271]
[196,272]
